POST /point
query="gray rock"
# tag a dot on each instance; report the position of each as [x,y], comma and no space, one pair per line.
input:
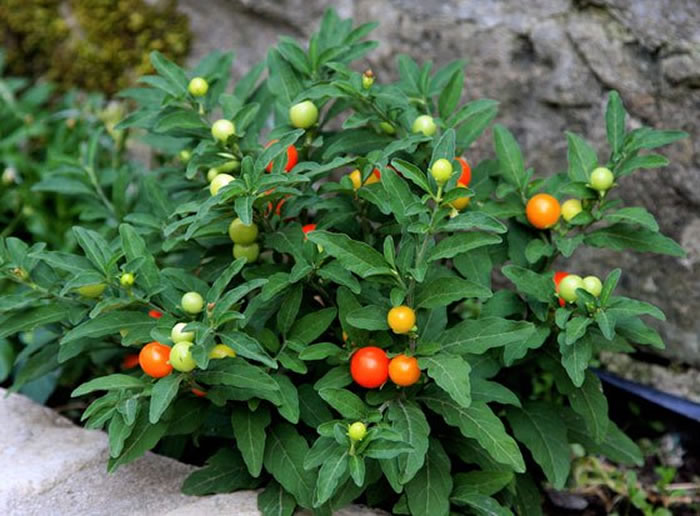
[550,64]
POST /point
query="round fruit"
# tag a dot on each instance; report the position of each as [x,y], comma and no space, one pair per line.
[92,291]
[211,174]
[178,333]
[593,285]
[461,202]
[570,209]
[424,124]
[292,158]
[219,181]
[130,361]
[181,357]
[155,314]
[602,179]
[249,252]
[367,79]
[198,392]
[543,211]
[403,370]
[357,431]
[242,233]
[192,302]
[568,286]
[185,155]
[401,319]
[222,351]
[198,87]
[441,171]
[308,228]
[303,115]
[222,130]
[127,279]
[369,367]
[154,359]
[387,127]
[466,176]
[558,276]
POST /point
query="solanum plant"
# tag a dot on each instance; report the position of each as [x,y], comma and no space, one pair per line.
[385,328]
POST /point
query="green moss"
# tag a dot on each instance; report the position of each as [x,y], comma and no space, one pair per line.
[94,44]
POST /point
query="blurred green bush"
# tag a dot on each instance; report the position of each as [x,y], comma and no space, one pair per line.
[92,44]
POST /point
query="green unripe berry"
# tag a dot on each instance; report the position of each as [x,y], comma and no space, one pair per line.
[212,173]
[240,233]
[192,302]
[181,357]
[424,124]
[185,155]
[357,431]
[198,87]
[234,164]
[367,79]
[127,279]
[177,334]
[249,252]
[593,285]
[92,291]
[218,182]
[568,286]
[387,127]
[222,129]
[602,179]
[303,115]
[441,171]
[571,208]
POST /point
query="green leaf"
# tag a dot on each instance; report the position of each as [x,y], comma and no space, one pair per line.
[408,419]
[623,307]
[539,286]
[369,317]
[109,382]
[284,459]
[249,431]
[336,273]
[247,347]
[383,449]
[237,373]
[575,359]
[428,492]
[590,403]
[401,199]
[510,159]
[357,257]
[634,330]
[320,351]
[482,505]
[461,243]
[143,437]
[290,308]
[134,246]
[647,138]
[450,95]
[313,410]
[289,408]
[110,323]
[619,237]
[225,472]
[95,246]
[475,219]
[413,173]
[576,328]
[443,291]
[162,395]
[332,470]
[632,163]
[488,391]
[357,468]
[348,404]
[634,215]
[582,158]
[615,122]
[606,322]
[475,117]
[179,121]
[487,483]
[445,147]
[518,349]
[528,499]
[615,446]
[223,279]
[451,374]
[478,335]
[609,285]
[311,326]
[538,426]
[475,265]
[169,71]
[275,501]
[283,82]
[118,432]
[477,422]
[29,319]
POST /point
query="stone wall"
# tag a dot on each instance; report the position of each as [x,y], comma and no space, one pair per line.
[550,64]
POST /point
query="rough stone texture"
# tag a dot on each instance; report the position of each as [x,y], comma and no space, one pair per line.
[550,64]
[50,466]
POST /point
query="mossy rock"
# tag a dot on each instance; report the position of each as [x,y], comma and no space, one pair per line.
[94,44]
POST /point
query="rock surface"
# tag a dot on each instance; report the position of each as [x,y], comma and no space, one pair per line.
[50,466]
[549,63]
